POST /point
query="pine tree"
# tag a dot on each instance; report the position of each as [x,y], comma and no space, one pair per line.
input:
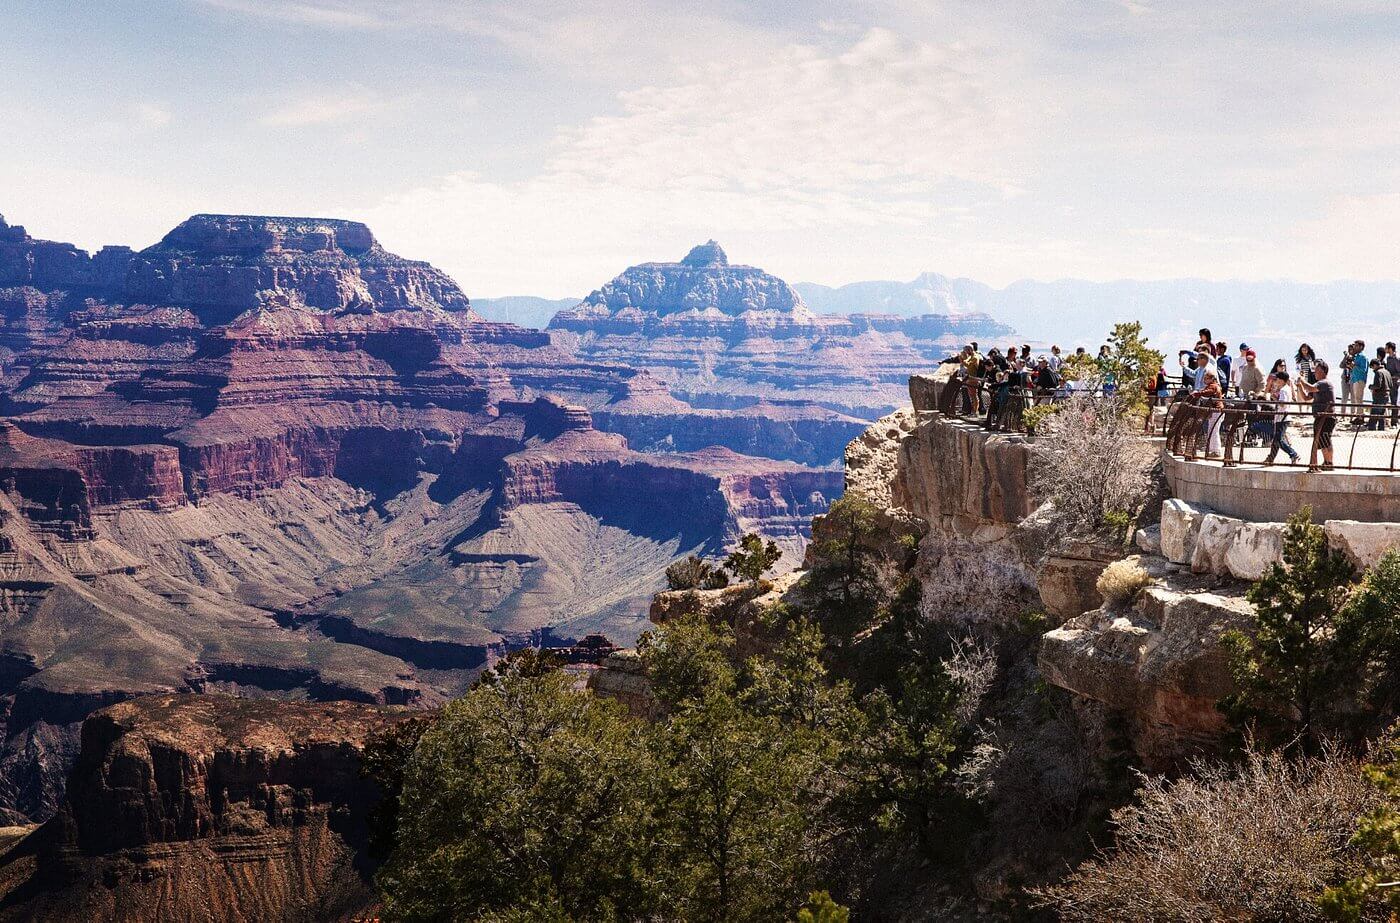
[1299,657]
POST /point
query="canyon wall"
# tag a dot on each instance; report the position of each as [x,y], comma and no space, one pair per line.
[207,807]
[995,556]
[267,457]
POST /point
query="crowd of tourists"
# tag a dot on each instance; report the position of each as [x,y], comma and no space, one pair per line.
[1208,377]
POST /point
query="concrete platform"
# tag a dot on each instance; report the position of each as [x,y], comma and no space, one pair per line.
[1253,492]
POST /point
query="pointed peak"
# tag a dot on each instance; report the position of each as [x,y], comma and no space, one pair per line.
[709,253]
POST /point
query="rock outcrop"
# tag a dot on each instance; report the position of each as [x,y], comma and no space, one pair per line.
[207,807]
[723,335]
[1158,662]
[994,556]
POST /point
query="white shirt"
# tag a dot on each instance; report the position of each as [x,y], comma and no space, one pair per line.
[1285,397]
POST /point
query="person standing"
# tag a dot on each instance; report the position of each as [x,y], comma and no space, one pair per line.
[1211,397]
[1282,396]
[1236,369]
[1304,362]
[1046,381]
[1249,377]
[1324,406]
[1222,366]
[1380,392]
[1203,363]
[1392,365]
[1054,361]
[1355,372]
[972,379]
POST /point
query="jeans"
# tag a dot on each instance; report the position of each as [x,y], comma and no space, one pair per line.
[1378,404]
[1281,441]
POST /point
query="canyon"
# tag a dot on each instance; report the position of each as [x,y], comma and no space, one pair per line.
[265,456]
[723,335]
[177,795]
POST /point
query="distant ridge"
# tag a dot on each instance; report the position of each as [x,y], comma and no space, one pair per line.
[525,310]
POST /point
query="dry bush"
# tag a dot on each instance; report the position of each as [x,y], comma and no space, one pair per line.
[972,665]
[1122,581]
[1255,842]
[1094,465]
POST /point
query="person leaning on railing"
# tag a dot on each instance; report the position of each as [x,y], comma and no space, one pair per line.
[1213,399]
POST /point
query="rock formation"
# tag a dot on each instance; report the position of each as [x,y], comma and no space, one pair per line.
[207,807]
[992,555]
[266,456]
[724,335]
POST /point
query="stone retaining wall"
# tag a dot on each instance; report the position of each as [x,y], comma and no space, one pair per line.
[1213,543]
[1275,493]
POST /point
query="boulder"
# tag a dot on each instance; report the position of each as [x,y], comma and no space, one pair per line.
[1214,538]
[1149,539]
[1362,542]
[1067,580]
[1180,522]
[1257,545]
[1160,663]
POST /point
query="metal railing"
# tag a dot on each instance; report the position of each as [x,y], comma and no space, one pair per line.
[1237,431]
[1001,408]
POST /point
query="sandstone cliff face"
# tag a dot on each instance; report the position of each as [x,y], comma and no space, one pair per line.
[207,807]
[993,554]
[651,419]
[218,265]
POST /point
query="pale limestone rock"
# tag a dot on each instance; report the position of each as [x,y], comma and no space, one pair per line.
[1149,539]
[1180,522]
[1067,579]
[1067,586]
[1161,662]
[1363,542]
[872,458]
[1257,545]
[1213,540]
[622,677]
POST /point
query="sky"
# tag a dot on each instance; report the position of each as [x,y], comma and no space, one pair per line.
[531,147]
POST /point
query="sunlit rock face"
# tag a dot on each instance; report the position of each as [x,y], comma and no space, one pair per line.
[725,335]
[266,456]
[208,807]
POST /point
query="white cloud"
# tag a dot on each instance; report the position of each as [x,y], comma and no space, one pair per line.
[332,13]
[323,108]
[152,115]
[859,138]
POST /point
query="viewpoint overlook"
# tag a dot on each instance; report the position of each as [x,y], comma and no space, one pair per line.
[271,496]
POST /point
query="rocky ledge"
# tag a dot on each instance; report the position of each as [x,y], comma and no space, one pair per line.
[207,807]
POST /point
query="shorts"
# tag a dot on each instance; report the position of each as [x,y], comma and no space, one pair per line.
[1324,432]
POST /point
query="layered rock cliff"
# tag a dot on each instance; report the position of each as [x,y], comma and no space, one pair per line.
[207,807]
[722,335]
[270,458]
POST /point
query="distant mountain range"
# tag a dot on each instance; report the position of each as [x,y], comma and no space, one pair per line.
[1272,316]
[525,310]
